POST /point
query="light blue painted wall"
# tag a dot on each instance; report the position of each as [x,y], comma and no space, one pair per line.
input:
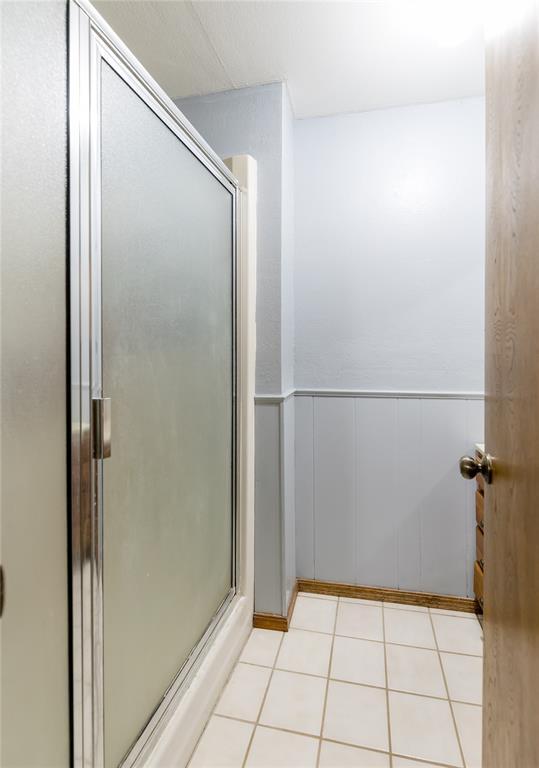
[390,222]
[288,222]
[287,350]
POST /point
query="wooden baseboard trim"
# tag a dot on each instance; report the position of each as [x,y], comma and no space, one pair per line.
[291,604]
[276,621]
[270,621]
[427,599]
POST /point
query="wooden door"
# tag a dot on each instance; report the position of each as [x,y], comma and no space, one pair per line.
[511,683]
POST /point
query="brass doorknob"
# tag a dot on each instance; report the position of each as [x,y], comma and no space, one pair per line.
[470,467]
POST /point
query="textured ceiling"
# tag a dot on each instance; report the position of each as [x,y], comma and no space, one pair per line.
[335,56]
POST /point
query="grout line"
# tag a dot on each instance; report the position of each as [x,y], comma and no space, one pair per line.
[254,664]
[447,691]
[468,703]
[305,674]
[280,729]
[336,741]
[387,690]
[362,685]
[357,746]
[422,761]
[390,606]
[257,721]
[327,685]
[403,645]
[318,596]
[274,667]
[239,719]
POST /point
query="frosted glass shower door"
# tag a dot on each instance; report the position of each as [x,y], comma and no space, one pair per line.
[167,357]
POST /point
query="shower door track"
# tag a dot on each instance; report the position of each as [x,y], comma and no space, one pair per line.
[91,41]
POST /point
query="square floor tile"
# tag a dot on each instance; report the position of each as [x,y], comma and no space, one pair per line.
[222,745]
[278,749]
[316,596]
[306,652]
[244,692]
[356,715]
[469,725]
[423,728]
[314,614]
[458,635]
[408,628]
[406,607]
[340,756]
[359,620]
[415,670]
[358,661]
[294,702]
[464,675]
[261,647]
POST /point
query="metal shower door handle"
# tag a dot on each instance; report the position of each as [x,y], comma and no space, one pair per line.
[101,427]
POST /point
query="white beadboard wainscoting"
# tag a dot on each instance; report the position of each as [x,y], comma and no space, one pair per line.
[379,500]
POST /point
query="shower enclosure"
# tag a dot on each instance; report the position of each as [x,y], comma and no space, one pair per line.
[154,397]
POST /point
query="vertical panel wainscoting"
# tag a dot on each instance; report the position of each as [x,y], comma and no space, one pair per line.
[275,528]
[288,500]
[379,499]
[334,483]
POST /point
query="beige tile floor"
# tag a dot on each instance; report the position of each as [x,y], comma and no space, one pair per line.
[353,684]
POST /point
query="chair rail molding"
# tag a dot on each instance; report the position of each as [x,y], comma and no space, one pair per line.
[273,399]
